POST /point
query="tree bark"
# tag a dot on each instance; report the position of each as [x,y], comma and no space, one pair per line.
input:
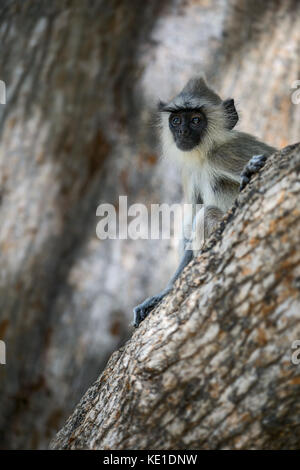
[211,368]
[70,69]
[82,79]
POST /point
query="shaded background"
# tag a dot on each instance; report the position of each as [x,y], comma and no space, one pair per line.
[82,80]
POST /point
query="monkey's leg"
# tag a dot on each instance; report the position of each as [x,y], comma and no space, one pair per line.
[205,223]
[252,167]
[142,310]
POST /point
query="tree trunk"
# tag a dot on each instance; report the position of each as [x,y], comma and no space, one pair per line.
[211,368]
[81,81]
[69,69]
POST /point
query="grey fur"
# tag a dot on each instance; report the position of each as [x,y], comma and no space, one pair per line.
[213,171]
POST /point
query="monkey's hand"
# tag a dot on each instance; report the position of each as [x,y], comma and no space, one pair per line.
[142,310]
[252,167]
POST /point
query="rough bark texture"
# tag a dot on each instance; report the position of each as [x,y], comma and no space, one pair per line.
[211,367]
[81,79]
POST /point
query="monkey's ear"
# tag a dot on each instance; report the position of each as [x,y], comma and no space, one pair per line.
[161,106]
[230,113]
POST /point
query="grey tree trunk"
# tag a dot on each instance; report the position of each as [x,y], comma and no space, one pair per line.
[70,68]
[76,131]
[212,367]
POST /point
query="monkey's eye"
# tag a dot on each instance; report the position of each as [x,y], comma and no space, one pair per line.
[175,120]
[196,120]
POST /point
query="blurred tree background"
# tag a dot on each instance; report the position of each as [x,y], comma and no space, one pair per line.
[82,80]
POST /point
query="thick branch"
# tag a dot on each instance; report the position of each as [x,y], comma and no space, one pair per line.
[211,368]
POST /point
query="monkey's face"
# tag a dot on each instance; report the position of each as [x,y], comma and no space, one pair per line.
[188,128]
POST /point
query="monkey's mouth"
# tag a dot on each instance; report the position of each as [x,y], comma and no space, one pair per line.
[185,144]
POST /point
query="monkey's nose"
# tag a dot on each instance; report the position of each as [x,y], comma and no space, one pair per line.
[184,132]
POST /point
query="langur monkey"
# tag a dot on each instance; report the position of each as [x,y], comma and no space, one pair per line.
[215,160]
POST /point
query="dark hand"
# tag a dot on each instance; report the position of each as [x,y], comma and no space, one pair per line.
[142,310]
[252,167]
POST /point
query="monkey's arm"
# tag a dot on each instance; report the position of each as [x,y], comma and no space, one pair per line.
[142,310]
[252,167]
[244,153]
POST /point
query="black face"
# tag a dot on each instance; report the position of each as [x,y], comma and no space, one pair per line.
[188,128]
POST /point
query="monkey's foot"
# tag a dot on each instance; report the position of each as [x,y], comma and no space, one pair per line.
[252,167]
[142,310]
